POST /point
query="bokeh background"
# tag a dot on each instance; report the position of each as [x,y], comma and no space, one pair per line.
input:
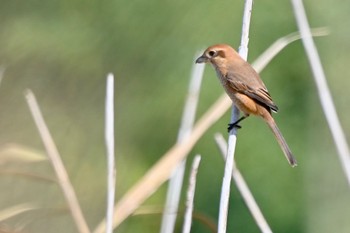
[63,50]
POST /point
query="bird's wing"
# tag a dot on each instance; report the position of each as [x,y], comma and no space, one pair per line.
[246,81]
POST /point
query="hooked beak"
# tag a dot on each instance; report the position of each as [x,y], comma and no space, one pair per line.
[202,59]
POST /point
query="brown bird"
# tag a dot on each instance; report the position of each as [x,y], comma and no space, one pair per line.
[245,88]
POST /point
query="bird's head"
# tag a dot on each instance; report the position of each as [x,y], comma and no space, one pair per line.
[218,55]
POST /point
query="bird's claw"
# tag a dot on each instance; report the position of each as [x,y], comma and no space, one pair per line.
[232,125]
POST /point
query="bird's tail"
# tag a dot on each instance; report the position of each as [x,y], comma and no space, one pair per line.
[281,141]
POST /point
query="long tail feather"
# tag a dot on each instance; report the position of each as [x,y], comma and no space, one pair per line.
[281,141]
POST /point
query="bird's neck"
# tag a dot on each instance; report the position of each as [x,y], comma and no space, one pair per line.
[221,72]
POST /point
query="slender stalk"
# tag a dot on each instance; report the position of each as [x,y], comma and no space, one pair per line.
[244,189]
[55,159]
[322,87]
[280,44]
[109,137]
[10,212]
[226,183]
[190,195]
[2,72]
[175,183]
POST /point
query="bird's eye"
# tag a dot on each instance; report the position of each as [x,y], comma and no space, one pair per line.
[212,53]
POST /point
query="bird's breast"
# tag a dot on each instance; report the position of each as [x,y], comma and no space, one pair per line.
[225,83]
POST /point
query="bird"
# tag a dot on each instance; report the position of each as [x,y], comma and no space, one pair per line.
[245,88]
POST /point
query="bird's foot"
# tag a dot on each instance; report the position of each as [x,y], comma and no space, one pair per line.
[233,125]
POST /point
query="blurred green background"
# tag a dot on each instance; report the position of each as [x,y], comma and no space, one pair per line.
[63,50]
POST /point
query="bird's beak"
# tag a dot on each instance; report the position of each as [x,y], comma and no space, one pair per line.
[202,59]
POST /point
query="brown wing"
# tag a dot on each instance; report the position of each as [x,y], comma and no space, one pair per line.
[245,80]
